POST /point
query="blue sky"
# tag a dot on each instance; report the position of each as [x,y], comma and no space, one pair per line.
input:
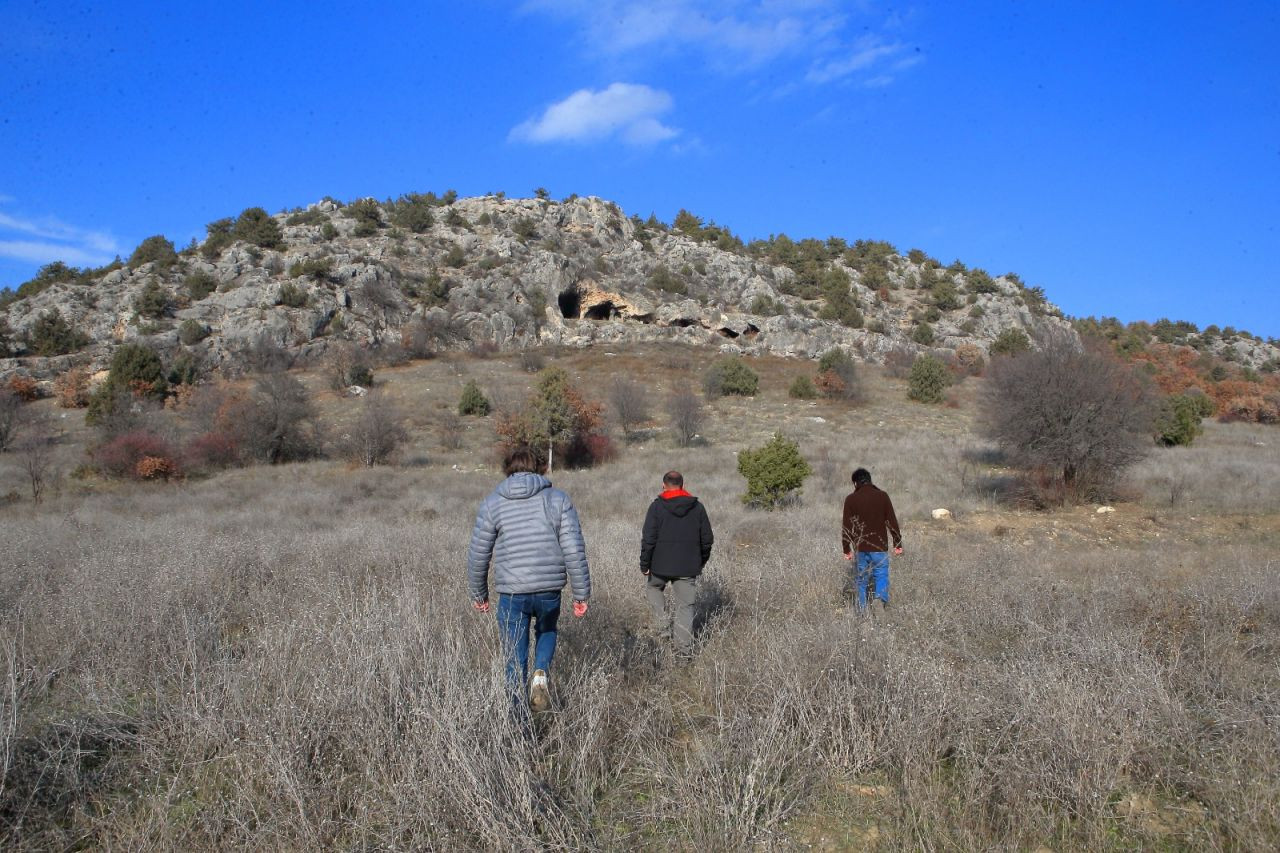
[1124,156]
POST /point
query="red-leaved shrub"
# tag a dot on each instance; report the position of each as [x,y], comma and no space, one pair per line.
[24,387]
[120,456]
[211,451]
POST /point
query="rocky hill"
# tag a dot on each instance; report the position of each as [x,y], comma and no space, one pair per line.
[423,272]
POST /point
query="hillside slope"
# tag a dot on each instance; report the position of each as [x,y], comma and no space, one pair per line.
[426,272]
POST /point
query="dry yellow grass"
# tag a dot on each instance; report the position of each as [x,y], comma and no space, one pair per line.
[285,657]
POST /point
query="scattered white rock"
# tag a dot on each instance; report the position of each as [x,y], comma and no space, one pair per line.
[941,514]
[818,420]
[1103,510]
[356,391]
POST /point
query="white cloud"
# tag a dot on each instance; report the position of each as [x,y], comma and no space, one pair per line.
[55,241]
[751,33]
[733,37]
[41,252]
[628,111]
[865,54]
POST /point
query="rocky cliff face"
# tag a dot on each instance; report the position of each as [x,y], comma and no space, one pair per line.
[515,273]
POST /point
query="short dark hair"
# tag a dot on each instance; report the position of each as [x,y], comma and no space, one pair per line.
[861,477]
[522,459]
[673,478]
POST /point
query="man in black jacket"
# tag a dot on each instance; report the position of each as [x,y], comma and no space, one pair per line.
[674,547]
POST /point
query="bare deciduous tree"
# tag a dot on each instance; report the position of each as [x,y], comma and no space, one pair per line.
[687,415]
[1073,417]
[10,417]
[451,428]
[278,423]
[35,452]
[629,401]
[377,433]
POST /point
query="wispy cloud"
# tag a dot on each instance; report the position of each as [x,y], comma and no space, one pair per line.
[732,37]
[626,111]
[54,240]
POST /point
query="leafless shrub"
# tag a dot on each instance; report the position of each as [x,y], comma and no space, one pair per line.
[264,355]
[450,429]
[11,413]
[347,364]
[426,335]
[531,361]
[377,434]
[35,452]
[1073,418]
[898,361]
[686,413]
[278,422]
[629,402]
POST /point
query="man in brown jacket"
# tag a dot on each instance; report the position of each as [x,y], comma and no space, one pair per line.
[868,513]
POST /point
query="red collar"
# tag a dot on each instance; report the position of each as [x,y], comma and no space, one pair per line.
[674,493]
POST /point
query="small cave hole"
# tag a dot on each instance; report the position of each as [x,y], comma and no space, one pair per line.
[726,332]
[601,311]
[751,331]
[570,303]
[683,322]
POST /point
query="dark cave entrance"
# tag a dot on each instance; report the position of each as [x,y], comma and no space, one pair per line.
[602,311]
[570,303]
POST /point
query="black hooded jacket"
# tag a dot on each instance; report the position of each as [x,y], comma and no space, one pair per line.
[677,539]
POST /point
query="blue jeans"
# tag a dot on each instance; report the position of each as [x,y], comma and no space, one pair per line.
[872,567]
[515,613]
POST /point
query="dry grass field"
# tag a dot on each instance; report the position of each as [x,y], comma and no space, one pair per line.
[285,658]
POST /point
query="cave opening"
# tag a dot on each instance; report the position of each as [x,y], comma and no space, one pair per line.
[570,303]
[726,332]
[605,310]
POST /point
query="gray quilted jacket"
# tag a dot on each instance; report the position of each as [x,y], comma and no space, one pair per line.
[530,533]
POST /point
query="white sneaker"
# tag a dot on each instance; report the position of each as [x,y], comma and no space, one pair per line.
[539,694]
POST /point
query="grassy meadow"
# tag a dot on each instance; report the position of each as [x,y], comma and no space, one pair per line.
[285,658]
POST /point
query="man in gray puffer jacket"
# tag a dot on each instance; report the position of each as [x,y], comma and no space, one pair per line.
[530,532]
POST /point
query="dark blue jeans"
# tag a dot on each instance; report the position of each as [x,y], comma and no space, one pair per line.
[515,613]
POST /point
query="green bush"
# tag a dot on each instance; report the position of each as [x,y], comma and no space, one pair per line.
[199,285]
[766,306]
[473,401]
[328,231]
[802,388]
[838,376]
[156,250]
[774,472]
[185,370]
[731,375]
[307,217]
[291,296]
[256,227]
[368,216]
[456,257]
[361,374]
[50,335]
[317,268]
[922,334]
[152,301]
[928,380]
[665,280]
[1010,342]
[1178,420]
[945,296]
[192,331]
[220,234]
[135,369]
[980,281]
[412,212]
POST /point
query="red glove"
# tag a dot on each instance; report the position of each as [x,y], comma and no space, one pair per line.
[579,609]
[897,552]
[482,606]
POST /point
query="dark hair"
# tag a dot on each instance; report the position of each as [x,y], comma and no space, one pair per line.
[673,478]
[522,458]
[861,477]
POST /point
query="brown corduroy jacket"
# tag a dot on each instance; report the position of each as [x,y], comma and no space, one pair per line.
[868,512]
